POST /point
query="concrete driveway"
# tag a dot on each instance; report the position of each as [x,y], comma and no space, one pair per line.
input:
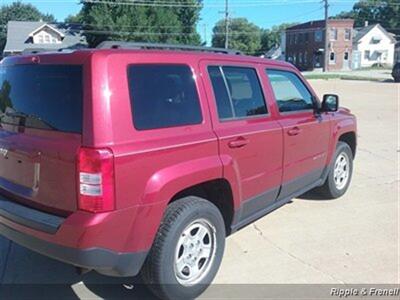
[352,240]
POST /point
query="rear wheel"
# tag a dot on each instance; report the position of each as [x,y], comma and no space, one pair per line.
[187,251]
[340,172]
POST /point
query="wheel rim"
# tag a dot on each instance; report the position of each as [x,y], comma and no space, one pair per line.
[195,252]
[341,171]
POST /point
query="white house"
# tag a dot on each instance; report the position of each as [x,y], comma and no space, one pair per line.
[374,45]
[277,52]
[30,36]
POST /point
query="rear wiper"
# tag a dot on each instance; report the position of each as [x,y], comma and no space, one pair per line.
[23,115]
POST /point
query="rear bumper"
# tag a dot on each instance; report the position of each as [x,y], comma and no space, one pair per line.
[85,240]
[102,260]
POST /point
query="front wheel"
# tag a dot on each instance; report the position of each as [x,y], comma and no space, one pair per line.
[340,172]
[187,250]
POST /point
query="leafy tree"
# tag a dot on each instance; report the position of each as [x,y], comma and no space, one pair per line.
[19,11]
[243,35]
[272,37]
[108,21]
[385,12]
[189,17]
[5,100]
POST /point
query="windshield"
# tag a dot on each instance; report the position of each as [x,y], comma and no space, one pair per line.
[42,96]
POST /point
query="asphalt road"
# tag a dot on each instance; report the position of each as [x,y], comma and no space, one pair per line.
[351,240]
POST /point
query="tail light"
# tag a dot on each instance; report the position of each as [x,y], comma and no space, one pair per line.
[96,180]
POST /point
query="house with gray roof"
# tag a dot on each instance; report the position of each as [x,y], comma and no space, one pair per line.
[375,46]
[37,36]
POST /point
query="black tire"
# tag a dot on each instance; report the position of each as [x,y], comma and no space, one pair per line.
[329,189]
[158,272]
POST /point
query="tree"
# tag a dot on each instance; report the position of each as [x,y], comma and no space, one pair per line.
[189,17]
[243,35]
[385,12]
[272,37]
[116,21]
[19,11]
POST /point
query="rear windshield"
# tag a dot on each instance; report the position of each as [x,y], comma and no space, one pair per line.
[42,96]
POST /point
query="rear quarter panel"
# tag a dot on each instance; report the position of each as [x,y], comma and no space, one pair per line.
[151,166]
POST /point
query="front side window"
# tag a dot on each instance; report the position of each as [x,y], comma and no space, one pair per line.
[163,96]
[290,92]
[237,92]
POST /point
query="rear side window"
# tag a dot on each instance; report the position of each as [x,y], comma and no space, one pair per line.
[163,96]
[237,91]
[290,92]
[42,96]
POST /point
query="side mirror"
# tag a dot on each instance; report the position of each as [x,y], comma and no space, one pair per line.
[330,103]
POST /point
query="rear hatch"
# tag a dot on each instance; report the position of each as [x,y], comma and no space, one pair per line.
[40,134]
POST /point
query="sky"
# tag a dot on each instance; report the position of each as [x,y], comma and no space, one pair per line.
[264,13]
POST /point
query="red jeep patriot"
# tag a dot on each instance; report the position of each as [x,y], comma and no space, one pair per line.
[144,158]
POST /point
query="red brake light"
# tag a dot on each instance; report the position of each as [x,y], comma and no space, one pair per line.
[96,180]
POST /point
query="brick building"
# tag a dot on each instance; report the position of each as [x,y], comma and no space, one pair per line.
[305,44]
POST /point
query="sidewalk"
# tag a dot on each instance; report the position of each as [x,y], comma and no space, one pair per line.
[370,74]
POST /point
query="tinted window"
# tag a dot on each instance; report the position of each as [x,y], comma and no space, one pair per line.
[224,104]
[163,96]
[237,91]
[290,93]
[42,96]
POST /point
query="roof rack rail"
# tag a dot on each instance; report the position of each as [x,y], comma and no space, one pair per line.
[40,50]
[134,45]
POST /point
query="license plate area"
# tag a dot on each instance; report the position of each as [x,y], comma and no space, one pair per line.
[20,169]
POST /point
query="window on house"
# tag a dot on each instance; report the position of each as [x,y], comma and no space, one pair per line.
[384,55]
[367,54]
[290,92]
[347,34]
[47,39]
[346,56]
[40,39]
[163,96]
[237,92]
[332,58]
[318,36]
[333,34]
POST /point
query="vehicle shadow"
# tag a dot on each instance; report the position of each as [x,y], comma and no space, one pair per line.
[25,274]
[313,195]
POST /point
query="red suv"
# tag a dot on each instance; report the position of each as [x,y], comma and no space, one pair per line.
[126,160]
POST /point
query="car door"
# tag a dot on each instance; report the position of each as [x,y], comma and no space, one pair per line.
[250,140]
[306,134]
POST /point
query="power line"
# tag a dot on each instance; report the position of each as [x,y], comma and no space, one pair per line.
[175,4]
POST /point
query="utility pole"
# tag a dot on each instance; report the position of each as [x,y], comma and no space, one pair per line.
[326,41]
[205,33]
[226,24]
